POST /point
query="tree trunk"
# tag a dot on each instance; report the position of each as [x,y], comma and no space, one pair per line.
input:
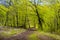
[6,22]
[39,19]
[17,18]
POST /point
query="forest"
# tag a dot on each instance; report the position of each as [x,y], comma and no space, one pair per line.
[35,19]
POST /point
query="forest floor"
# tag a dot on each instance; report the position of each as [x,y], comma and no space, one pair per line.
[28,35]
[24,36]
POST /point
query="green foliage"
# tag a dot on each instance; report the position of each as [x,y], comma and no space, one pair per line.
[23,13]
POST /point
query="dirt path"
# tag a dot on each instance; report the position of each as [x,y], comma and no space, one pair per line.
[21,36]
[24,36]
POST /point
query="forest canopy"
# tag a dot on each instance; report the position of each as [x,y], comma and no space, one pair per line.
[41,14]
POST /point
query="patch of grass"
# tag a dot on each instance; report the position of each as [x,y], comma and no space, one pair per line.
[33,36]
[11,32]
[55,36]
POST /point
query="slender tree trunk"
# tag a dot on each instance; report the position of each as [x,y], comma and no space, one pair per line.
[7,14]
[24,25]
[14,20]
[6,22]
[17,18]
[34,24]
[28,21]
[39,19]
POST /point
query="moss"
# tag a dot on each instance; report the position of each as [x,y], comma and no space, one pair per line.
[55,36]
[11,32]
[33,36]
